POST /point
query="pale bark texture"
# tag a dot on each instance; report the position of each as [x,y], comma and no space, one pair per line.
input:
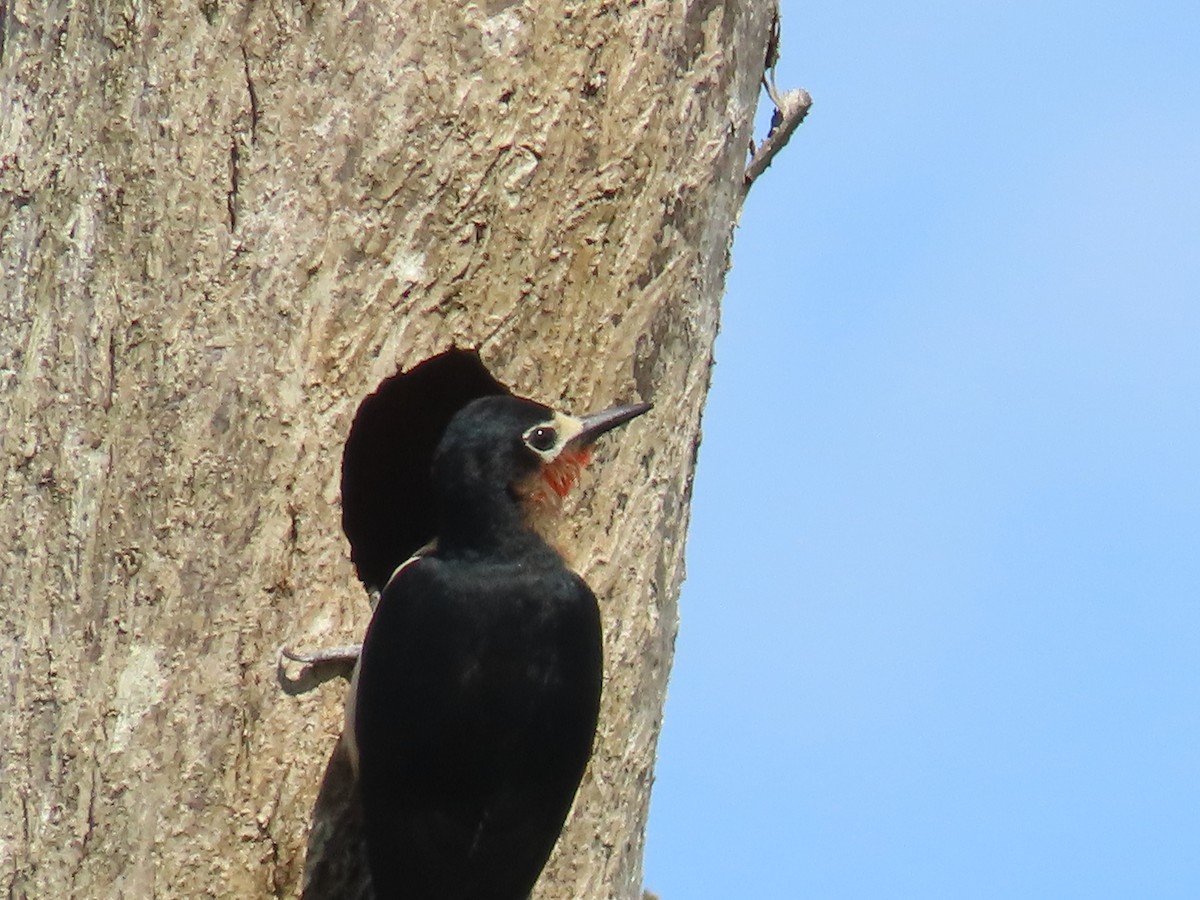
[222,223]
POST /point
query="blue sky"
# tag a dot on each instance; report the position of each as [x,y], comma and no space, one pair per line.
[941,631]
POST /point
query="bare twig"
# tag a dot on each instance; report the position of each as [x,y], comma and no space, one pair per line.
[318,667]
[790,109]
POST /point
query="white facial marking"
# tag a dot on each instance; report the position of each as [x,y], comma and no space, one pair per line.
[548,439]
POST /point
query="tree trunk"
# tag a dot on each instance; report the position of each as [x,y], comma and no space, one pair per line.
[222,224]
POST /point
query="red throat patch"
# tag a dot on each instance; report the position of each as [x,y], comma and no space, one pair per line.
[558,477]
[562,474]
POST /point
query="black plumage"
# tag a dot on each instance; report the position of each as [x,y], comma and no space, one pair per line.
[478,687]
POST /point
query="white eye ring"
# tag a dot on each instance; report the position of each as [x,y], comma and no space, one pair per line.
[541,438]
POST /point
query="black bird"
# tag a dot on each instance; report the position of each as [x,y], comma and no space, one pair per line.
[477,692]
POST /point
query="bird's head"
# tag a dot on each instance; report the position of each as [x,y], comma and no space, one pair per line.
[528,451]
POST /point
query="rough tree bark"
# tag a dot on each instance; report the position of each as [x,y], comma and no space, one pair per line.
[222,223]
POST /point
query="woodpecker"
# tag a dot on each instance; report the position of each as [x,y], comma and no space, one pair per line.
[475,700]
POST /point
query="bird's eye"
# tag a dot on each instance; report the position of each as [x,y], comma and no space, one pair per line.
[541,438]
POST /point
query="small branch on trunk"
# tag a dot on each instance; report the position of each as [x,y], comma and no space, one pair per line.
[318,667]
[790,109]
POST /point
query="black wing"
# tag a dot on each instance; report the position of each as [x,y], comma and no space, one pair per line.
[476,708]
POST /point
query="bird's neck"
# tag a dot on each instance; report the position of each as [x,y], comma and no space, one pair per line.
[485,522]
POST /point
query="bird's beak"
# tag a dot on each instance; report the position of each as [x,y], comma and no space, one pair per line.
[598,423]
